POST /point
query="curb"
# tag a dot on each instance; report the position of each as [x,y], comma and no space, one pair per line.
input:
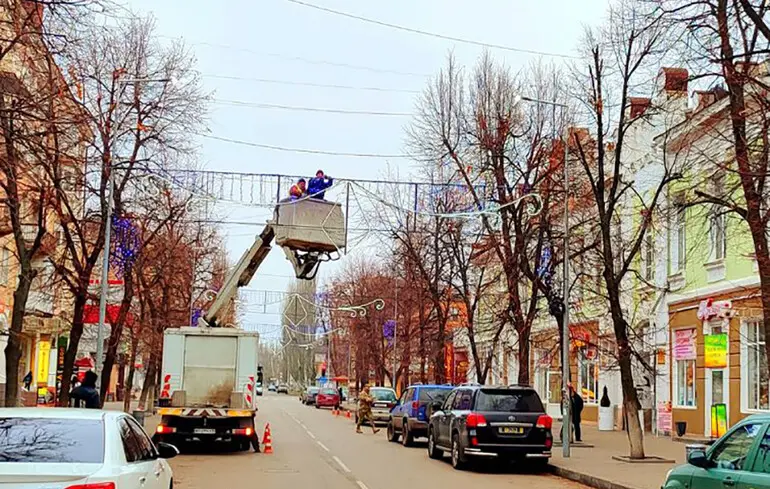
[586,479]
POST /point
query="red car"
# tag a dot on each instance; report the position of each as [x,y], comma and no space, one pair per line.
[327,398]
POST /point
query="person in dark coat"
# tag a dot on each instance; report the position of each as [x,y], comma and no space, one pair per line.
[28,380]
[87,393]
[576,410]
[318,185]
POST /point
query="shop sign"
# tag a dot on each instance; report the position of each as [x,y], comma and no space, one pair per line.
[43,360]
[715,349]
[684,344]
[718,420]
[665,421]
[710,309]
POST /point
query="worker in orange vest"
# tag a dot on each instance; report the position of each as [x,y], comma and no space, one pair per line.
[298,190]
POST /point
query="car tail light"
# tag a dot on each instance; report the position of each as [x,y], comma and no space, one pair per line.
[162,429]
[545,422]
[415,405]
[391,404]
[93,485]
[475,420]
[548,442]
[243,431]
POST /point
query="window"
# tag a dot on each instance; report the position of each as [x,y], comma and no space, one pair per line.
[685,383]
[46,440]
[755,374]
[732,452]
[509,401]
[433,394]
[463,401]
[449,401]
[146,447]
[588,375]
[762,462]
[131,447]
[718,235]
[5,266]
[649,256]
[678,237]
[386,395]
[554,387]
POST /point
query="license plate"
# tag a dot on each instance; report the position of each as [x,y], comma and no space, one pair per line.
[511,430]
[380,405]
[204,431]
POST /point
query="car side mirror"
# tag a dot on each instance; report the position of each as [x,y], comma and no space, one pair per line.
[167,450]
[697,458]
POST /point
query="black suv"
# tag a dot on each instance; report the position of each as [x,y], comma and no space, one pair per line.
[508,423]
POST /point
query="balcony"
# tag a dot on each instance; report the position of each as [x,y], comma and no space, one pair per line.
[40,303]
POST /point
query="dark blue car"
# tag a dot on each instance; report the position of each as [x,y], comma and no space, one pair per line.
[410,417]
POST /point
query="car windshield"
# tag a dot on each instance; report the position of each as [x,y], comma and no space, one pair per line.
[508,401]
[312,390]
[46,440]
[435,394]
[329,392]
[383,395]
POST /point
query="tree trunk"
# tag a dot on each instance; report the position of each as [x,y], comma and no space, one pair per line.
[524,346]
[148,387]
[116,332]
[630,399]
[13,348]
[72,348]
[128,388]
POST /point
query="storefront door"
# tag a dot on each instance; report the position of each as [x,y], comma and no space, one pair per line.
[717,381]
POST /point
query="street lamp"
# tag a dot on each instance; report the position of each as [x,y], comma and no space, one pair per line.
[107,237]
[566,414]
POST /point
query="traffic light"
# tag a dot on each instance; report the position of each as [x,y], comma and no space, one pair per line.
[260,375]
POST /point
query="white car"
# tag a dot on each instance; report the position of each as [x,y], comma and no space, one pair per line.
[260,391]
[54,448]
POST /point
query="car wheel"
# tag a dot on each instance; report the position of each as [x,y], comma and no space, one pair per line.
[458,453]
[392,435]
[407,439]
[433,451]
[317,406]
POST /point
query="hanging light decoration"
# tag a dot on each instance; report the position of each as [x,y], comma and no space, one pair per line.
[125,244]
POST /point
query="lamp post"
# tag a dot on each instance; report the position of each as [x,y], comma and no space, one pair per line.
[107,237]
[566,408]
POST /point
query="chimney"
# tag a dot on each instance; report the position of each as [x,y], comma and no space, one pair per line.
[673,80]
[637,106]
[704,98]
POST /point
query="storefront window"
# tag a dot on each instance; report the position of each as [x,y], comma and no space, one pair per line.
[588,372]
[756,372]
[554,387]
[685,383]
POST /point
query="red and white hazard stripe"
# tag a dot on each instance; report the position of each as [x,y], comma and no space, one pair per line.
[249,391]
[165,393]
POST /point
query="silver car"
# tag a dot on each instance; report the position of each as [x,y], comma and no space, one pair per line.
[384,400]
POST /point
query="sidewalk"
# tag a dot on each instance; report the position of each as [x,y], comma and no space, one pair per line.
[151,420]
[595,467]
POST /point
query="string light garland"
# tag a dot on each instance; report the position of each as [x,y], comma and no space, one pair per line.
[126,244]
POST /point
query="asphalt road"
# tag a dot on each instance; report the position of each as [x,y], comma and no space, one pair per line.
[314,449]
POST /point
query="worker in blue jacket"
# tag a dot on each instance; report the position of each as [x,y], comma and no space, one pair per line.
[318,185]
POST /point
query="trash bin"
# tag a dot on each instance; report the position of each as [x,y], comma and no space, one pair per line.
[688,449]
[138,415]
[681,428]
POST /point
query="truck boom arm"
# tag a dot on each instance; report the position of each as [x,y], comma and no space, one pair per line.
[240,275]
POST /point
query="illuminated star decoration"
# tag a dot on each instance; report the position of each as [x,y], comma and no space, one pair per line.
[125,244]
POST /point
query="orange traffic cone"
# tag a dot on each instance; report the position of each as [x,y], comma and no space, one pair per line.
[347,414]
[267,440]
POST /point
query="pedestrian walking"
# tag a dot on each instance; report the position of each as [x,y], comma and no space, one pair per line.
[86,393]
[365,401]
[318,185]
[576,410]
[28,381]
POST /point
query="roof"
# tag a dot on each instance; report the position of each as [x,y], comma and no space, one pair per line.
[382,388]
[58,413]
[431,386]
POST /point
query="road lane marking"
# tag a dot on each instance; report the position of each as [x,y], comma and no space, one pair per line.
[339,462]
[311,435]
[323,446]
[361,485]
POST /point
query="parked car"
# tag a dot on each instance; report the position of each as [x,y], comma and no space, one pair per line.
[271,388]
[384,400]
[507,423]
[310,395]
[44,448]
[409,418]
[740,459]
[282,389]
[259,389]
[327,397]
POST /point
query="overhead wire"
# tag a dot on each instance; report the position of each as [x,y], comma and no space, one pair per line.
[430,34]
[301,150]
[259,105]
[310,84]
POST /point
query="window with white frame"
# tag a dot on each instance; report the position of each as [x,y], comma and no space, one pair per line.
[588,375]
[754,368]
[5,266]
[649,256]
[684,387]
[718,235]
[678,237]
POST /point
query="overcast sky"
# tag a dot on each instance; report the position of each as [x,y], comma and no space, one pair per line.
[264,39]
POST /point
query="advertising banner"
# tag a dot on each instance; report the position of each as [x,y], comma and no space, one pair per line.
[715,349]
[684,344]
